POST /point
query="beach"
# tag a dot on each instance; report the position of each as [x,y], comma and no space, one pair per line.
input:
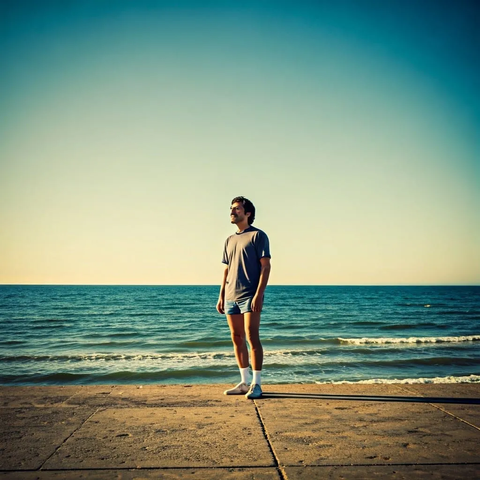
[297,431]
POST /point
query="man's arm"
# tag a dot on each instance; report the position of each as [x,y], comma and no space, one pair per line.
[257,301]
[221,297]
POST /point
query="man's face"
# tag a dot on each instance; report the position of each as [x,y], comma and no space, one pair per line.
[237,213]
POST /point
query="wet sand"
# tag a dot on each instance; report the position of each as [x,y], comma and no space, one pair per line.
[193,431]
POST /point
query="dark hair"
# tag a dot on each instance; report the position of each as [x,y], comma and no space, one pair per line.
[248,206]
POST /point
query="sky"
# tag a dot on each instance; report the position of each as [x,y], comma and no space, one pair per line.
[127,127]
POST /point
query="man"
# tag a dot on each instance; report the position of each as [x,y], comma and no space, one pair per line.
[247,259]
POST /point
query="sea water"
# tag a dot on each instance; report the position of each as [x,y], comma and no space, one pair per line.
[173,334]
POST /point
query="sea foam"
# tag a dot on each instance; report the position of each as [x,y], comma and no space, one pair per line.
[438,380]
[390,341]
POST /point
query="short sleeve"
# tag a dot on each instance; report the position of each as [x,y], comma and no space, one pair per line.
[262,245]
[225,255]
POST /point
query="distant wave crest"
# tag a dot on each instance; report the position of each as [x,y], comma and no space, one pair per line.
[437,380]
[115,357]
[390,341]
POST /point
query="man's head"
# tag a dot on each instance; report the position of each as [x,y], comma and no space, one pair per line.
[242,203]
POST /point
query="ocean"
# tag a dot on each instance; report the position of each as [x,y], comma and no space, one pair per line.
[59,335]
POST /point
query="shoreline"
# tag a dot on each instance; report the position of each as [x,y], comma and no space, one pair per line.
[296,431]
[448,380]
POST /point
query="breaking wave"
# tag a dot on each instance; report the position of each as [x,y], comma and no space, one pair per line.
[412,340]
[437,380]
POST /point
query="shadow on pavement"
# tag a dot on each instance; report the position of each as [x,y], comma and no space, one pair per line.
[372,398]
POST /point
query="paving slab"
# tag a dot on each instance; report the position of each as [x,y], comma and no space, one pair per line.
[28,436]
[337,389]
[467,413]
[465,390]
[311,432]
[46,417]
[151,474]
[172,395]
[166,437]
[395,472]
[35,396]
[470,414]
[92,395]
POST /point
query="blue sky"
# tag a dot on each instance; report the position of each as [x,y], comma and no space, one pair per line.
[128,127]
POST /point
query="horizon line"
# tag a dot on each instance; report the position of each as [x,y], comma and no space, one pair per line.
[216,285]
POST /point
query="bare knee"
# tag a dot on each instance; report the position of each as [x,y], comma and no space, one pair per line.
[238,339]
[253,338]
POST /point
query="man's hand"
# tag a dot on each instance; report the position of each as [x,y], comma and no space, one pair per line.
[220,306]
[257,303]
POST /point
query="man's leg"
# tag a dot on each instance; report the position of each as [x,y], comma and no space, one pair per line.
[252,327]
[237,330]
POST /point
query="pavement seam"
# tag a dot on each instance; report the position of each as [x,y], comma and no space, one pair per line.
[440,408]
[78,392]
[281,471]
[70,397]
[455,416]
[70,436]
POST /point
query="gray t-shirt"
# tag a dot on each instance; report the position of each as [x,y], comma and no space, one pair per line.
[242,254]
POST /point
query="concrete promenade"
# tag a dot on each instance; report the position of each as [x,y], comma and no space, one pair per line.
[195,432]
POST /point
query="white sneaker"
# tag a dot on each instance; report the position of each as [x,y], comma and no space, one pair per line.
[240,389]
[254,392]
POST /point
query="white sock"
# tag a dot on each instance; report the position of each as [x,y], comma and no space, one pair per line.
[257,377]
[245,373]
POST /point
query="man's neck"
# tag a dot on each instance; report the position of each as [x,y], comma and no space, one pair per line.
[242,227]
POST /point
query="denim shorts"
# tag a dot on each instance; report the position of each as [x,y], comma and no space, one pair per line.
[235,308]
